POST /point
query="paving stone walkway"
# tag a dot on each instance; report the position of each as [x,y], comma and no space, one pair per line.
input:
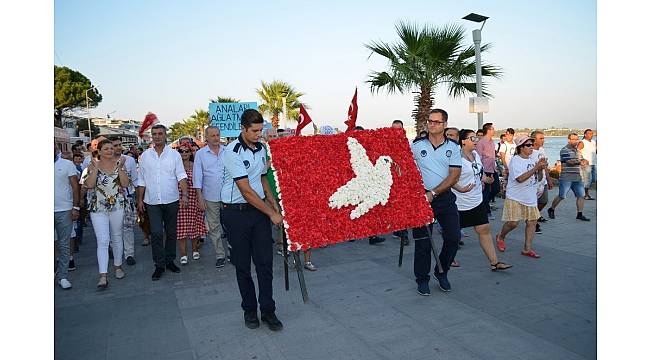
[362,305]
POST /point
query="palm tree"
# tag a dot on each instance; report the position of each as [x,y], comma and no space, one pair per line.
[424,58]
[220,99]
[272,94]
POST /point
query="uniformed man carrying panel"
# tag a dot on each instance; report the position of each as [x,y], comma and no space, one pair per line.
[439,162]
[247,205]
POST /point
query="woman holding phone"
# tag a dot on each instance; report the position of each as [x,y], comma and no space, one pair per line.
[108,178]
[521,195]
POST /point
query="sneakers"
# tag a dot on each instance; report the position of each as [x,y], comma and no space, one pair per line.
[373,240]
[501,244]
[130,260]
[103,281]
[551,213]
[65,284]
[541,219]
[157,273]
[538,229]
[119,274]
[423,289]
[443,282]
[196,255]
[71,266]
[582,217]
[272,321]
[250,319]
[220,263]
[309,266]
[183,260]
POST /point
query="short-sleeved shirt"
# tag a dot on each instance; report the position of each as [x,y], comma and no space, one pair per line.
[524,192]
[160,175]
[241,162]
[208,172]
[485,148]
[537,155]
[570,172]
[509,150]
[472,172]
[63,170]
[434,163]
[131,169]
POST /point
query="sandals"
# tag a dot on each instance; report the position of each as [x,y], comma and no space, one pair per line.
[501,244]
[530,253]
[498,266]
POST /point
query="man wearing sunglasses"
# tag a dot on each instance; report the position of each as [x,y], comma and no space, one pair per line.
[439,162]
[570,177]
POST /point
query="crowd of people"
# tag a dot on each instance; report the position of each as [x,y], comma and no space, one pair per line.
[227,193]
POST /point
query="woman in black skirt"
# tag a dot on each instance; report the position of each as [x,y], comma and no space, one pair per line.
[469,197]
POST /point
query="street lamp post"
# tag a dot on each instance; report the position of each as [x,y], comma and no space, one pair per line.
[476,36]
[90,133]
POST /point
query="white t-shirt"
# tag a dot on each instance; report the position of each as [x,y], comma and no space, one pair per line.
[63,169]
[525,192]
[589,151]
[471,171]
[509,149]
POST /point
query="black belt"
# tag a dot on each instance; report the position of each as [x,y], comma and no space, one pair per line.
[237,206]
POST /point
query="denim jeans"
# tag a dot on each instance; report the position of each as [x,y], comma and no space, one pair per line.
[63,228]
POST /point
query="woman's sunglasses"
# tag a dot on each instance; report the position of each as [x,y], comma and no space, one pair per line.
[184,151]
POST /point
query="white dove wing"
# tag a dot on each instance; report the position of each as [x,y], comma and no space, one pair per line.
[361,164]
[347,194]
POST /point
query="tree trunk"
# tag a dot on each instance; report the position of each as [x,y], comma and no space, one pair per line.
[275,120]
[423,104]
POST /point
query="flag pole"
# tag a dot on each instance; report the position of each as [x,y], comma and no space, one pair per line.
[301,276]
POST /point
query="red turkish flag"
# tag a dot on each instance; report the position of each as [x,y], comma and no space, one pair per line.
[149,120]
[352,113]
[335,188]
[303,119]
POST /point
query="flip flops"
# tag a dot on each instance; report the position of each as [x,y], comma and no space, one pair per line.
[501,244]
[530,253]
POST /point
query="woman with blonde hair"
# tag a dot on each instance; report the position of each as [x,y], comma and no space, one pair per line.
[107,179]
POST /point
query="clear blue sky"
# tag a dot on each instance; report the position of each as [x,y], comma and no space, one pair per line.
[170,57]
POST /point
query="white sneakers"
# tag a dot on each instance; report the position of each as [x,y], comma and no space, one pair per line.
[65,284]
[183,260]
[196,255]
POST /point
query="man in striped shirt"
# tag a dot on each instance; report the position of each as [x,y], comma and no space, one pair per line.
[570,177]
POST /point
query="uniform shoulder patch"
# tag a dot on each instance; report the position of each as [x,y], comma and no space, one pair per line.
[448,153]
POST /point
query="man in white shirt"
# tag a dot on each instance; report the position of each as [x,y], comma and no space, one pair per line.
[130,215]
[589,152]
[161,173]
[545,184]
[66,210]
[507,150]
[207,179]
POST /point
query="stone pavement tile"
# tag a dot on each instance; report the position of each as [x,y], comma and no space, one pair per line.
[156,350]
[494,339]
[540,319]
[80,352]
